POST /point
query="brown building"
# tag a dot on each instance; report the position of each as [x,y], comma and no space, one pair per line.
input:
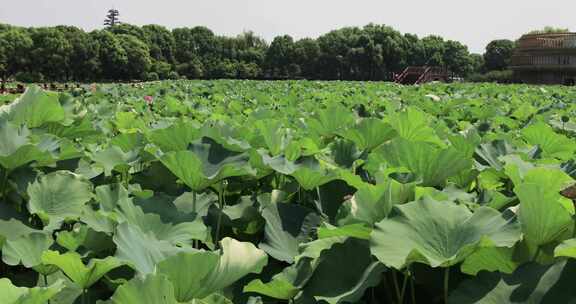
[545,59]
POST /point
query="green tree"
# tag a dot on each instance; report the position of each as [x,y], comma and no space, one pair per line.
[161,43]
[52,53]
[15,46]
[192,43]
[84,63]
[306,54]
[457,58]
[280,56]
[498,55]
[477,62]
[129,29]
[550,30]
[138,54]
[434,49]
[112,55]
[112,18]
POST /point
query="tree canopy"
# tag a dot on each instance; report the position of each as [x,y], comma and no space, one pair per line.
[123,51]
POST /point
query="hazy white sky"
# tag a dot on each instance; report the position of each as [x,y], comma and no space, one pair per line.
[473,22]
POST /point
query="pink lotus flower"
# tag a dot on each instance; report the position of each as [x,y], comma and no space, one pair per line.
[149,99]
[93,87]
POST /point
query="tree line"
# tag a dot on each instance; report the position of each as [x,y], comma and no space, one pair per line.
[124,52]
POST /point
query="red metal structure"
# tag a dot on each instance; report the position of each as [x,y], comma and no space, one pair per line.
[422,74]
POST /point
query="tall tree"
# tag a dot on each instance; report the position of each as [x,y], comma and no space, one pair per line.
[279,57]
[306,54]
[138,54]
[84,63]
[457,58]
[498,54]
[112,55]
[15,46]
[161,42]
[112,18]
[51,53]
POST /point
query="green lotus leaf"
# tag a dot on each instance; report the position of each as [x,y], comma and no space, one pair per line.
[198,203]
[213,299]
[98,220]
[182,232]
[274,135]
[226,133]
[18,149]
[59,195]
[343,154]
[343,273]
[566,249]
[13,229]
[176,137]
[531,283]
[359,231]
[490,259]
[313,250]
[165,206]
[27,249]
[488,154]
[129,122]
[21,295]
[35,108]
[237,259]
[372,203]
[84,275]
[308,171]
[142,250]
[369,133]
[552,144]
[153,289]
[326,270]
[188,271]
[516,168]
[85,237]
[277,288]
[113,196]
[439,233]
[69,293]
[116,201]
[431,164]
[82,128]
[544,214]
[414,125]
[284,230]
[205,163]
[330,121]
[114,158]
[196,275]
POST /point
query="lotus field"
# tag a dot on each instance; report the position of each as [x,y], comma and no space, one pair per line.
[300,192]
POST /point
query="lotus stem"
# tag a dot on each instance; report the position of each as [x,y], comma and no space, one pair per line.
[299,194]
[404,284]
[446,283]
[194,242]
[46,285]
[396,286]
[4,183]
[413,290]
[387,288]
[84,296]
[536,254]
[221,204]
[574,231]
